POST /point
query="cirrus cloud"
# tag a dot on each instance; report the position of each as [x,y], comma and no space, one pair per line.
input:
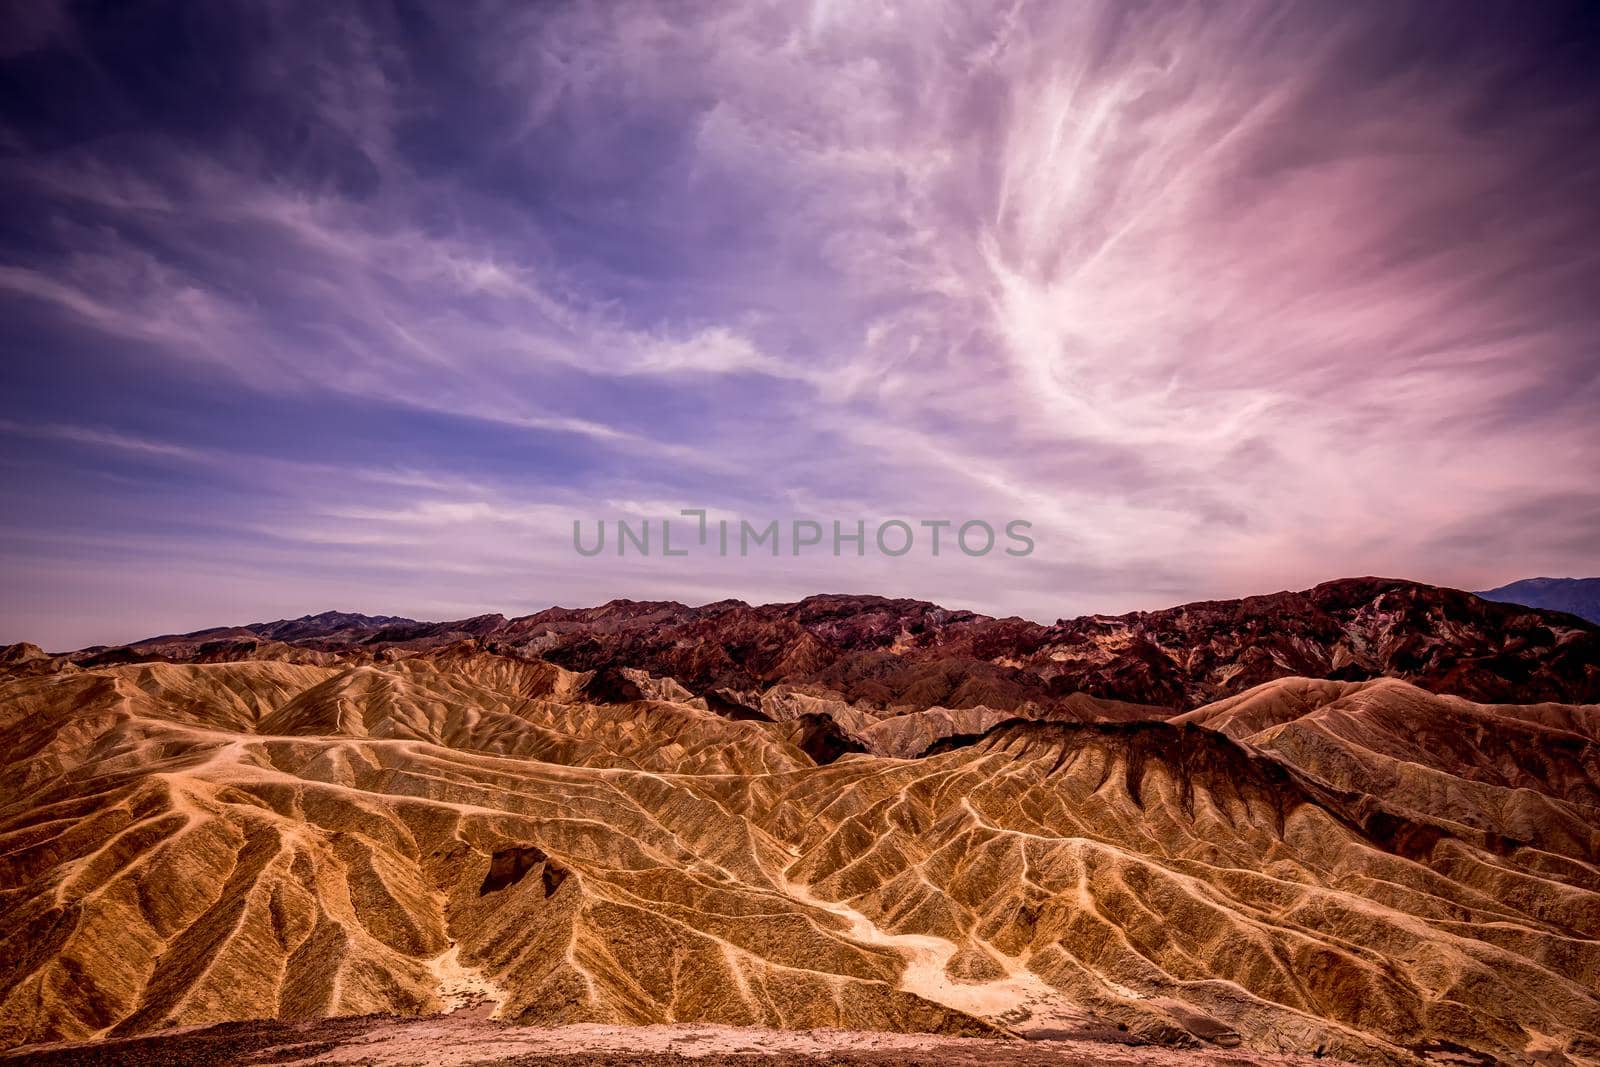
[1222,298]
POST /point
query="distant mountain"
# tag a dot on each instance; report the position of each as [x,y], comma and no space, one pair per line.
[326,632]
[328,622]
[1575,596]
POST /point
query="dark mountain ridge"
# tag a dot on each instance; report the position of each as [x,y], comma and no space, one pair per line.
[895,652]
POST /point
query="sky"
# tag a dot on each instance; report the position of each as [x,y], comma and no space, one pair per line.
[360,306]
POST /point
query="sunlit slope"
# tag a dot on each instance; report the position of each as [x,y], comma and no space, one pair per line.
[1361,868]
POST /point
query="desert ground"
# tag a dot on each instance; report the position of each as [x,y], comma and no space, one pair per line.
[456,1041]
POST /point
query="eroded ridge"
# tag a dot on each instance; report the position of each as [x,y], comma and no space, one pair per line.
[1360,870]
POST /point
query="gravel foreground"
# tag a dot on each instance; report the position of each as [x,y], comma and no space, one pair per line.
[453,1041]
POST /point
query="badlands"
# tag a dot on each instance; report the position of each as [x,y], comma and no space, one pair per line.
[1358,822]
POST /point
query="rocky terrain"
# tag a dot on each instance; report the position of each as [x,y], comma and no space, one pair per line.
[889,653]
[1359,822]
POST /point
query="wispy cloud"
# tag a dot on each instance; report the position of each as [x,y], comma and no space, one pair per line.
[1221,298]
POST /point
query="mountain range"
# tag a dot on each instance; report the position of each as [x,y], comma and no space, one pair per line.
[1358,821]
[1575,596]
[906,652]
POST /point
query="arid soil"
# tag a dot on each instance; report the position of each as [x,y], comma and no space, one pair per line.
[451,1041]
[465,832]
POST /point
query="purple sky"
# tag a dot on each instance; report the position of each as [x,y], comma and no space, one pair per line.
[360,305]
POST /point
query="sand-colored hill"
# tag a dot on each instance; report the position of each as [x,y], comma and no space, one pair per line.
[1528,774]
[1362,870]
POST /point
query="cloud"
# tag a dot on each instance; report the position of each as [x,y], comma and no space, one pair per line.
[1221,299]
